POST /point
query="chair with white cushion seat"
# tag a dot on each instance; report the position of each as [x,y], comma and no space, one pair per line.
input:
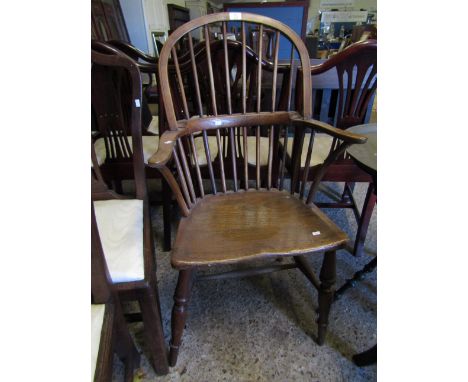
[124,226]
[111,99]
[109,333]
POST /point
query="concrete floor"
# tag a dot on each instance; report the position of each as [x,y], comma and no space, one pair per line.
[262,328]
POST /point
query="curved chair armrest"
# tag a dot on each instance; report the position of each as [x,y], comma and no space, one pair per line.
[132,51]
[159,160]
[167,142]
[333,131]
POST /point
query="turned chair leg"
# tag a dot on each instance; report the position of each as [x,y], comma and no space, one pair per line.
[368,207]
[153,330]
[326,290]
[167,200]
[179,312]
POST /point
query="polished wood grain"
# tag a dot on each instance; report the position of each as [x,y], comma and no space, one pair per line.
[249,229]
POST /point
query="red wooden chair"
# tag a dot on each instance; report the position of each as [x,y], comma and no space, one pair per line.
[238,219]
[124,224]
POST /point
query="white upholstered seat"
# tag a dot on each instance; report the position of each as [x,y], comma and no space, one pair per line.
[320,149]
[200,147]
[154,125]
[150,146]
[120,225]
[252,150]
[97,320]
[250,145]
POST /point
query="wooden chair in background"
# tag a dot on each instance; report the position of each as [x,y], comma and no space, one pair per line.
[109,332]
[111,100]
[353,72]
[146,63]
[227,224]
[124,225]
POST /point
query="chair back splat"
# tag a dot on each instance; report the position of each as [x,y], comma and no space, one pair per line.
[238,105]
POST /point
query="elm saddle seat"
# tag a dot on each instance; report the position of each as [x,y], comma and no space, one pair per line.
[253,224]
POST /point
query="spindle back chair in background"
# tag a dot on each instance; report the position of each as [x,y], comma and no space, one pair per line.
[356,72]
[146,63]
[112,98]
[236,219]
[124,224]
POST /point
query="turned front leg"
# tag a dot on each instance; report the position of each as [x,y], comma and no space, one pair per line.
[179,313]
[326,290]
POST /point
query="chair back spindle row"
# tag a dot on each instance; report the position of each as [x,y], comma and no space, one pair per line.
[241,146]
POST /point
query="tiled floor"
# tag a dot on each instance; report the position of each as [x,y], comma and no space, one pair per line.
[261,328]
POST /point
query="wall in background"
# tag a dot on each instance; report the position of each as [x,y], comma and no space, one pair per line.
[314,7]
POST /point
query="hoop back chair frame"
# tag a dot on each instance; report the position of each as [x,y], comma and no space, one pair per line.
[191,253]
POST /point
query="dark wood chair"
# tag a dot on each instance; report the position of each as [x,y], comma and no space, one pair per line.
[356,72]
[238,220]
[111,100]
[124,224]
[146,63]
[109,333]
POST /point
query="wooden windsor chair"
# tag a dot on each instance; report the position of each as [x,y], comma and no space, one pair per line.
[225,105]
[124,224]
[238,221]
[109,333]
[111,101]
[356,72]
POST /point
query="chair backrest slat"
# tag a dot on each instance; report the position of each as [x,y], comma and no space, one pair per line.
[187,175]
[275,72]
[197,166]
[183,181]
[224,92]
[195,76]
[283,159]
[179,78]
[305,175]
